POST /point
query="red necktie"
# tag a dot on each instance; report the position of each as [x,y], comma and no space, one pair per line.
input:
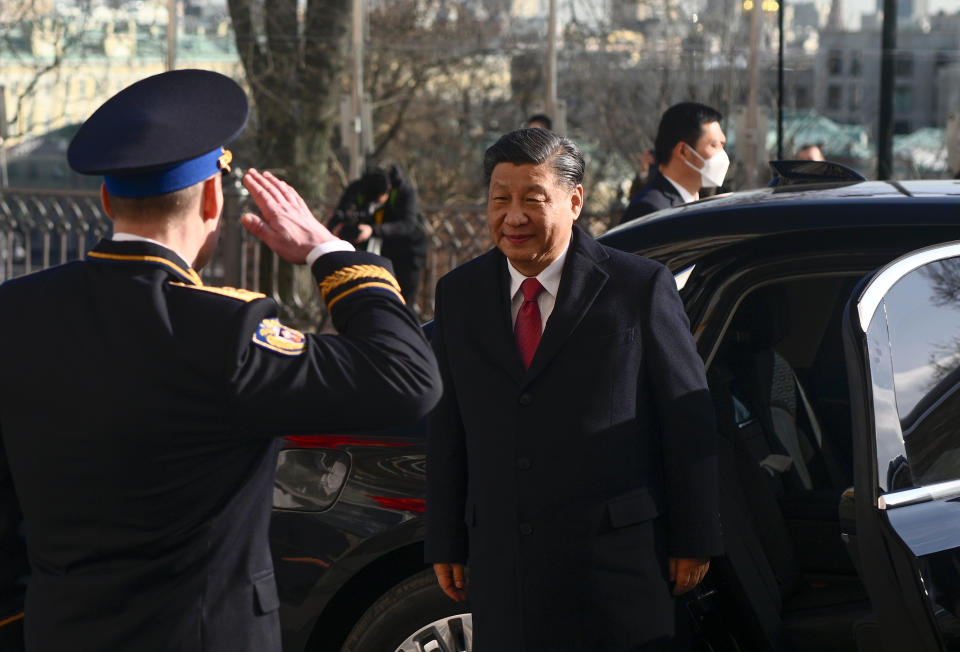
[527,328]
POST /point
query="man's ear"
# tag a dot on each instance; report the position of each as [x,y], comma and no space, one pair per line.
[679,152]
[212,199]
[576,201]
[105,200]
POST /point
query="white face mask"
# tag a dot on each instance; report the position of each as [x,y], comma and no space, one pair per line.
[714,169]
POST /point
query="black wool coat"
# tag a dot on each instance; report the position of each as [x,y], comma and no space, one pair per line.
[658,194]
[566,486]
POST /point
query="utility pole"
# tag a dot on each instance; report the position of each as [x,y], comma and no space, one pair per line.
[551,73]
[780,80]
[171,34]
[885,126]
[750,140]
[4,182]
[357,153]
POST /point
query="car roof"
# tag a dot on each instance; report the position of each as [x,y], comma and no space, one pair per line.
[701,227]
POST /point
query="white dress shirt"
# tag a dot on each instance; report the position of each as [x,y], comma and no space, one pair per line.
[550,280]
[328,247]
[684,193]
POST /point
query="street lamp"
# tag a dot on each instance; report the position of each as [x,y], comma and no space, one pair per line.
[768,6]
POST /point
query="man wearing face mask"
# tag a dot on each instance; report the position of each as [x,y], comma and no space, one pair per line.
[689,149]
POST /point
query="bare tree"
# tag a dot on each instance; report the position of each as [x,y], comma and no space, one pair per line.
[294,65]
[435,76]
[43,27]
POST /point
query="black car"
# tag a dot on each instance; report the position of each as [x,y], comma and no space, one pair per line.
[828,318]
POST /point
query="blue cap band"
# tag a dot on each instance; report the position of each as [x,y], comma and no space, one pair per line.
[160,182]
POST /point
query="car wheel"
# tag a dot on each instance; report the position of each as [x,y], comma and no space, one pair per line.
[413,616]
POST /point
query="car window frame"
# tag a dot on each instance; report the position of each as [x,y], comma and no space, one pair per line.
[869,301]
[889,540]
[726,297]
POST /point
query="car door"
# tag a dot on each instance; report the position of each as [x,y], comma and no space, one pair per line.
[902,347]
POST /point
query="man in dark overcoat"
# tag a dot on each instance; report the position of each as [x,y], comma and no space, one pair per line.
[690,155]
[571,460]
[141,410]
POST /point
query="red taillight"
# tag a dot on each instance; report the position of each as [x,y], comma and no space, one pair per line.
[418,505]
[336,441]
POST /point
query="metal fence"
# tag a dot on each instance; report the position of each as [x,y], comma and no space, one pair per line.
[40,228]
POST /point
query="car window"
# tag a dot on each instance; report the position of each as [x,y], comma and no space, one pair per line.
[914,347]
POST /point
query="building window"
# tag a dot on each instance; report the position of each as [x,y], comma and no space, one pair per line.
[904,65]
[856,64]
[854,97]
[835,62]
[903,99]
[834,94]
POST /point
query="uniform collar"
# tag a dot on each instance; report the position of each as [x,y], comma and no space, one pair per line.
[144,252]
[120,236]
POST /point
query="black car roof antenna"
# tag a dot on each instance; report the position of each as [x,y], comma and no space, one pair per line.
[789,173]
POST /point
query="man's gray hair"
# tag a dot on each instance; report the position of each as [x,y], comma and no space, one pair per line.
[537,146]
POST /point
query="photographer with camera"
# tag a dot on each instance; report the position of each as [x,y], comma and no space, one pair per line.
[378,213]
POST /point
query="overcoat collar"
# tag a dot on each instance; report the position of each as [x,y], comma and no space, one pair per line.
[137,252]
[663,184]
[492,314]
[583,278]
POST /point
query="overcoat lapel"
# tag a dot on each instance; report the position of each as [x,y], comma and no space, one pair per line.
[581,282]
[494,328]
[668,190]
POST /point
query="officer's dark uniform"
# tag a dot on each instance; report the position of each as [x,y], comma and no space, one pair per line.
[139,412]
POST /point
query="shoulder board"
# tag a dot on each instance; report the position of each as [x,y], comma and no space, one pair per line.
[233,293]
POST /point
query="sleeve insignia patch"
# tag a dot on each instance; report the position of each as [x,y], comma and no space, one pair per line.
[273,335]
[355,278]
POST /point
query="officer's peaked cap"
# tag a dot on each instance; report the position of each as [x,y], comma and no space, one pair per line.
[161,134]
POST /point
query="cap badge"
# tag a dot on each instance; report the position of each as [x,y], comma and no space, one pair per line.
[225,159]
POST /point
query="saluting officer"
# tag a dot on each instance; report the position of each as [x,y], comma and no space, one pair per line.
[140,409]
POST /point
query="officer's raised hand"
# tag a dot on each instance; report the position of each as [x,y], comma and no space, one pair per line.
[287,226]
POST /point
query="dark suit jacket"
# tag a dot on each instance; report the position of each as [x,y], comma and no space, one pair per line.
[139,412]
[566,486]
[659,193]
